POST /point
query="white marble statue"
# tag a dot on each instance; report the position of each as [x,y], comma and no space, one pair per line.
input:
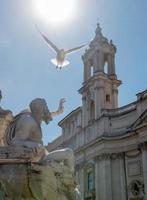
[25,132]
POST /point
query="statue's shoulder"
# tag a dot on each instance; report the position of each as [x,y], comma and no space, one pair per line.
[25,118]
[21,123]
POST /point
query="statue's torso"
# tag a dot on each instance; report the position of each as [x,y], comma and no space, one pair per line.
[27,129]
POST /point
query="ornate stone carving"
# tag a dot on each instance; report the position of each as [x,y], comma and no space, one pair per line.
[134,168]
[43,174]
[136,188]
[5,119]
[133,154]
[113,47]
[25,129]
[108,156]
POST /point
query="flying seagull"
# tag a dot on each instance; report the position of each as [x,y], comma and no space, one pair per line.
[59,61]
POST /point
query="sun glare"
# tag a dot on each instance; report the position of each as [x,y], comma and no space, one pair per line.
[55,11]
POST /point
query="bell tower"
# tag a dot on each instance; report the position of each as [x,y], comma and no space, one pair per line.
[100,86]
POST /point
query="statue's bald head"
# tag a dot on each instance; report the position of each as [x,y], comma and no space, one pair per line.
[37,104]
[39,107]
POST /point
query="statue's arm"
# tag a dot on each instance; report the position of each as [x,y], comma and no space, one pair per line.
[60,108]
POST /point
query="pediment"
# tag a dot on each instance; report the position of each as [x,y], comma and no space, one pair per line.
[142,119]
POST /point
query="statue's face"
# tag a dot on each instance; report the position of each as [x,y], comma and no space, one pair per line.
[39,108]
[46,114]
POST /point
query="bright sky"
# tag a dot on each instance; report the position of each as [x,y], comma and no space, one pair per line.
[25,68]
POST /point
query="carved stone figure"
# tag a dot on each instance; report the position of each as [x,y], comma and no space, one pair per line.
[25,129]
[5,119]
[50,175]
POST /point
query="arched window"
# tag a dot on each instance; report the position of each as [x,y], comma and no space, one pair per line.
[106,70]
[136,188]
[89,180]
[106,67]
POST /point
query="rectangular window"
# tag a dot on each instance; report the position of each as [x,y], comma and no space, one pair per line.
[108,97]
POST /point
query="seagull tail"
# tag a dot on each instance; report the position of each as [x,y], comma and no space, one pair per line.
[55,62]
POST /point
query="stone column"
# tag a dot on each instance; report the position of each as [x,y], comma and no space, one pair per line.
[100,61]
[144,163]
[80,178]
[95,61]
[87,69]
[99,99]
[103,178]
[115,96]
[85,72]
[123,184]
[111,64]
[97,180]
[84,112]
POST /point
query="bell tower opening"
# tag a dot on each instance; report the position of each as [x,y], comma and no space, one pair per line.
[106,65]
[91,71]
[106,68]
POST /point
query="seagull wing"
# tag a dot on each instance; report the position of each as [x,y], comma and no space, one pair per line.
[53,46]
[74,49]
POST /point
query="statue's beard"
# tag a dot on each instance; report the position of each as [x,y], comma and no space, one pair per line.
[47,118]
[47,122]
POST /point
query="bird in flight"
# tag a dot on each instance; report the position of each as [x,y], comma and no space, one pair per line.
[60,60]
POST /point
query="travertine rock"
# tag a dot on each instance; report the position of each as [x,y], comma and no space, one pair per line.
[5,119]
[22,179]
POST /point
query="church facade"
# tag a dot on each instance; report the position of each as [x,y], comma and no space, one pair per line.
[110,143]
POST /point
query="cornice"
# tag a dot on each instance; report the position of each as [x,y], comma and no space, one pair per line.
[109,156]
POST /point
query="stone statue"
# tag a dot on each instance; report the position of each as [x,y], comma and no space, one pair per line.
[5,119]
[50,175]
[25,129]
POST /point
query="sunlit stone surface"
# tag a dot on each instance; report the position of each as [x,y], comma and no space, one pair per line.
[110,143]
[27,170]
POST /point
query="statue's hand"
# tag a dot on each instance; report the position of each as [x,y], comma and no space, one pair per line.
[60,108]
[61,105]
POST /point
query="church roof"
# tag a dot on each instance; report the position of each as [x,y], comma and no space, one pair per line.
[69,115]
